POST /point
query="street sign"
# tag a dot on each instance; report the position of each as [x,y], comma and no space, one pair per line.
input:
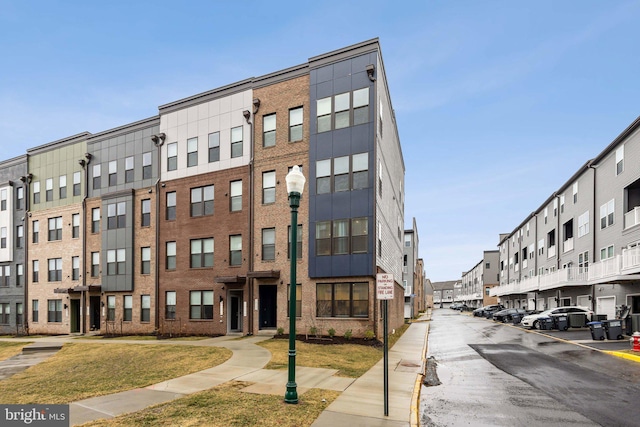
[384,286]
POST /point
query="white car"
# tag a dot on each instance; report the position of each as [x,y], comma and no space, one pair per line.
[533,320]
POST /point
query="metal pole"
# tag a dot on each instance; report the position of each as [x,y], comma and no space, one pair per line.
[386,357]
[291,395]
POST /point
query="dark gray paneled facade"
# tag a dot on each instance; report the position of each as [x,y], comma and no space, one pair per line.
[328,80]
[13,295]
[114,238]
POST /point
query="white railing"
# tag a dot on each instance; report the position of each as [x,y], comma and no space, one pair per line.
[551,252]
[568,245]
[632,217]
[524,264]
[571,276]
[607,268]
[530,284]
[631,259]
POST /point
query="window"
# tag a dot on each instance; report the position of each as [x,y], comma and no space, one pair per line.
[62,186]
[3,237]
[583,262]
[269,187]
[201,305]
[323,238]
[172,156]
[323,108]
[359,235]
[145,308]
[202,201]
[146,165]
[113,173]
[145,260]
[202,253]
[171,206]
[575,193]
[111,308]
[214,147]
[268,244]
[341,173]
[360,171]
[3,199]
[342,236]
[5,313]
[49,189]
[116,215]
[546,215]
[128,169]
[620,160]
[170,306]
[35,271]
[20,236]
[236,196]
[35,311]
[4,278]
[55,228]
[342,106]
[146,213]
[235,250]
[54,314]
[19,274]
[607,214]
[75,226]
[171,256]
[323,176]
[55,270]
[19,198]
[96,172]
[269,130]
[562,203]
[95,264]
[340,245]
[127,304]
[298,245]
[295,124]
[298,299]
[75,268]
[360,106]
[342,299]
[116,260]
[541,247]
[36,192]
[192,152]
[236,142]
[95,220]
[606,253]
[76,183]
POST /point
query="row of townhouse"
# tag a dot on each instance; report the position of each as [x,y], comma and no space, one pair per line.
[476,284]
[180,223]
[580,247]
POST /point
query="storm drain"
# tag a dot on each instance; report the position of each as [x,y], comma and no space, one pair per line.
[431,377]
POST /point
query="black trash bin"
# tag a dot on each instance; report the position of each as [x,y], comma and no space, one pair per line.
[545,323]
[613,329]
[560,322]
[597,331]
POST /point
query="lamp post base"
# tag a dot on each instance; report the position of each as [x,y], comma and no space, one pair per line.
[291,395]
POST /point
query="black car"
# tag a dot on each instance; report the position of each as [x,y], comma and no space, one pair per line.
[506,315]
[484,311]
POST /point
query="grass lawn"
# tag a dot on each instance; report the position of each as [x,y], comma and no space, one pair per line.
[225,405]
[82,370]
[10,349]
[141,338]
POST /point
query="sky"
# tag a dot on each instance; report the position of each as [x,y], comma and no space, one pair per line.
[497,103]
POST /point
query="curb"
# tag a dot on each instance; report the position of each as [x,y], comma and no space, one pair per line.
[414,420]
[632,357]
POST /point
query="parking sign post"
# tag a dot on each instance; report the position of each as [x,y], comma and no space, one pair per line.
[384,292]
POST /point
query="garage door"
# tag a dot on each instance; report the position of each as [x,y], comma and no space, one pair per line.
[606,305]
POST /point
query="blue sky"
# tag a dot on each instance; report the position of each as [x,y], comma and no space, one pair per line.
[497,103]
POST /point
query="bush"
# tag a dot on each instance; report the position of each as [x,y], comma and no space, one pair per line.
[331,332]
[280,331]
[348,334]
[368,335]
[313,330]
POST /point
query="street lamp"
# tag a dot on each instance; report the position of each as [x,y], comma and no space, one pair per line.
[295,185]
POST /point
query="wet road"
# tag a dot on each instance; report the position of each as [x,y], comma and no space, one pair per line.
[496,375]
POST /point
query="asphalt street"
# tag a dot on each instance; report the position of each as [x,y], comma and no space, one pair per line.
[492,374]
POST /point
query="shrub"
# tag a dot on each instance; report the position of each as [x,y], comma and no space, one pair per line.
[331,332]
[348,334]
[368,335]
[313,330]
[280,331]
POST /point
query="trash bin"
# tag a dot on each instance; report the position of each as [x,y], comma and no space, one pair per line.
[577,320]
[546,323]
[516,318]
[613,329]
[560,322]
[597,331]
[635,323]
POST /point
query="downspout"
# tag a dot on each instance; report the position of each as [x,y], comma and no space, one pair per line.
[251,281]
[593,237]
[560,249]
[25,181]
[158,140]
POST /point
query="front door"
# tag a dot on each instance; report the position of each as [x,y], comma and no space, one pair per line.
[94,310]
[235,311]
[75,316]
[268,299]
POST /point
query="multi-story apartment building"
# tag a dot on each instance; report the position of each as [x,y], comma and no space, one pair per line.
[179,223]
[13,244]
[580,247]
[412,274]
[477,282]
[443,292]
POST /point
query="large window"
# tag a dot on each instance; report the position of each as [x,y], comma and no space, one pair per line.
[116,215]
[113,173]
[342,109]
[147,159]
[54,313]
[171,256]
[346,173]
[214,147]
[116,261]
[269,187]
[298,245]
[171,206]
[583,262]
[342,236]
[607,212]
[62,186]
[127,307]
[606,253]
[342,299]
[128,169]
[269,130]
[202,253]
[323,109]
[172,156]
[202,201]
[145,308]
[342,106]
[235,250]
[236,142]
[360,106]
[170,305]
[95,220]
[359,235]
[146,213]
[192,152]
[236,196]
[268,244]
[295,124]
[145,260]
[55,228]
[201,305]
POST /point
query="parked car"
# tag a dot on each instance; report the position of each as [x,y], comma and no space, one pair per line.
[483,311]
[459,306]
[533,320]
[506,314]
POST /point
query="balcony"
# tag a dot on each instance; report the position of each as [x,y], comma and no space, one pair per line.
[551,252]
[631,260]
[571,276]
[604,269]
[567,245]
[632,218]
